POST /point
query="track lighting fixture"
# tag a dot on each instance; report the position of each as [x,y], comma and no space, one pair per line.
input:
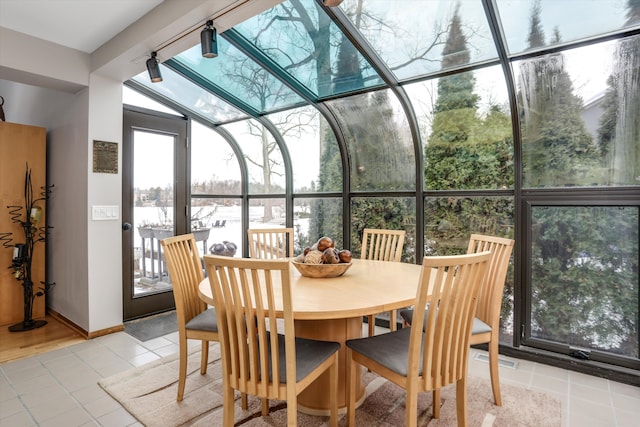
[153,68]
[331,3]
[208,41]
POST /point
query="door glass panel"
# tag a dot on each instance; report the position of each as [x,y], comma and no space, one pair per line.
[584,277]
[153,214]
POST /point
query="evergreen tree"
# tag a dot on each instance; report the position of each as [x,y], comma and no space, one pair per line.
[456,100]
[536,32]
[619,131]
[557,148]
[465,151]
[584,274]
[633,12]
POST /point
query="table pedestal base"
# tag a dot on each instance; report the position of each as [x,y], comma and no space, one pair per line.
[314,400]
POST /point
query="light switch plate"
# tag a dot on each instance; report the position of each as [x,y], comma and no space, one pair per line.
[105,213]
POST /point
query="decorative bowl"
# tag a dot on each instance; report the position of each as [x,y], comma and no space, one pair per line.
[321,270]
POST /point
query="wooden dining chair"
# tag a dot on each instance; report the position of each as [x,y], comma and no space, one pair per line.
[426,360]
[270,243]
[195,320]
[382,245]
[255,359]
[486,324]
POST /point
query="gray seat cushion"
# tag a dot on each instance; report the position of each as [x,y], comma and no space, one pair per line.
[479,327]
[390,349]
[309,355]
[205,321]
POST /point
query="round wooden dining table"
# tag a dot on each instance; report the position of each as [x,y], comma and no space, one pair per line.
[332,309]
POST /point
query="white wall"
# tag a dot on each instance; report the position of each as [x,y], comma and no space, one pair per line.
[29,60]
[32,105]
[104,237]
[67,212]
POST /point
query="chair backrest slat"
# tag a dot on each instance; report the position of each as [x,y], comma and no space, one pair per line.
[186,273]
[270,243]
[490,294]
[382,245]
[249,296]
[450,285]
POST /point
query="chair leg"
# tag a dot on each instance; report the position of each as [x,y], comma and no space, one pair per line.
[333,384]
[244,402]
[228,405]
[493,369]
[372,325]
[352,367]
[411,407]
[204,358]
[292,412]
[461,401]
[436,404]
[292,416]
[182,374]
[393,320]
[265,407]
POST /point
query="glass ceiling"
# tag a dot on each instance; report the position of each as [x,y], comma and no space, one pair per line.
[299,52]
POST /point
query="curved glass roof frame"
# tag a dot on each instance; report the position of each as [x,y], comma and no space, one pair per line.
[505,58]
[389,78]
[501,35]
[367,53]
[309,45]
[358,42]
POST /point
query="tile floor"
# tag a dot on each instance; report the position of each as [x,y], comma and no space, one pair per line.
[59,388]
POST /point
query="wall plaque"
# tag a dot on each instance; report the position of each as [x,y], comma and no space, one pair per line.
[105,157]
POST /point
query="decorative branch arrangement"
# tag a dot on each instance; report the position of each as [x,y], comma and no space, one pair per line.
[28,216]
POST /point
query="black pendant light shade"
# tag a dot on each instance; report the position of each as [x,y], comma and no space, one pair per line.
[153,68]
[208,41]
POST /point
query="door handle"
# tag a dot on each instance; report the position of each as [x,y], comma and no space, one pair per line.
[126,226]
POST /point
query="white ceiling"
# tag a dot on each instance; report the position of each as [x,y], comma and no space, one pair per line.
[111,38]
[84,25]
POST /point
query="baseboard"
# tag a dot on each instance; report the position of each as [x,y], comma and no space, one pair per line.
[107,331]
[68,323]
[83,333]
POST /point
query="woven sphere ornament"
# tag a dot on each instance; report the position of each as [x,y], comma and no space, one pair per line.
[313,257]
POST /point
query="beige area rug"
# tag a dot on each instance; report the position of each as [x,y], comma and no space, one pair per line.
[149,394]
